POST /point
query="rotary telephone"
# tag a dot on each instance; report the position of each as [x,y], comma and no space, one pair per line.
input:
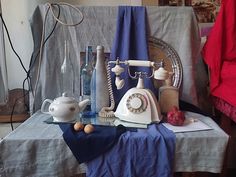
[139,105]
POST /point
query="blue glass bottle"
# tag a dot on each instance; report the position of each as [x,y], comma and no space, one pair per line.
[86,76]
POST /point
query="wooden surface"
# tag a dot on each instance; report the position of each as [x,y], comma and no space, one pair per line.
[15,118]
[17,105]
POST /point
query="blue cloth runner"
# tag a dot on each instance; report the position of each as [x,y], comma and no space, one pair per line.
[147,152]
[131,43]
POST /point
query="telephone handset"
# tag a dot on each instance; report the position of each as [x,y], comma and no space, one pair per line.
[138,105]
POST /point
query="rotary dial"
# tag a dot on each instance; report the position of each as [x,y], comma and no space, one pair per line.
[136,103]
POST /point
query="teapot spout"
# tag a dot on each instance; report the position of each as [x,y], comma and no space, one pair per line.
[83,104]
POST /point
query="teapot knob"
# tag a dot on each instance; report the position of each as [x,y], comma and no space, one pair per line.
[64,94]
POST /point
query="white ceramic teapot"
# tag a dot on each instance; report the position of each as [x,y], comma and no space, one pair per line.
[63,109]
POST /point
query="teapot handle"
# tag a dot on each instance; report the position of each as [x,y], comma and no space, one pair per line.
[44,106]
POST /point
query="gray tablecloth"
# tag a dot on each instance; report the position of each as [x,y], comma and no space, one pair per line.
[38,149]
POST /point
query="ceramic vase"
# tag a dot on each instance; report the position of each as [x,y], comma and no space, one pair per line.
[99,92]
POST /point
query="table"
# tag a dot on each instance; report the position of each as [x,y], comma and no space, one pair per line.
[38,149]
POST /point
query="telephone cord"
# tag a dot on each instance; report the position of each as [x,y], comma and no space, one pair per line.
[69,5]
[108,111]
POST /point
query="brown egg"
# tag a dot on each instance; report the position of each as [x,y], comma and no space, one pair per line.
[89,128]
[78,126]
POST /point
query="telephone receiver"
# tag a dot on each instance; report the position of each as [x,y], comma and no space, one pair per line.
[118,70]
[160,74]
[138,105]
[119,83]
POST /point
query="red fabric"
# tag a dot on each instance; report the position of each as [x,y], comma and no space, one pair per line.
[225,108]
[219,52]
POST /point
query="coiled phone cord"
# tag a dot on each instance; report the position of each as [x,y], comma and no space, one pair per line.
[50,7]
[108,111]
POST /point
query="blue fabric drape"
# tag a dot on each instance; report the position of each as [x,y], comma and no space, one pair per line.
[86,147]
[131,34]
[131,43]
[147,152]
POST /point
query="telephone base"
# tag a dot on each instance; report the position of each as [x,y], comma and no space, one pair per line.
[139,106]
[129,124]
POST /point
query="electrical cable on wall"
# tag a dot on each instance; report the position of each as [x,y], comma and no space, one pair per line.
[9,39]
[30,66]
[32,62]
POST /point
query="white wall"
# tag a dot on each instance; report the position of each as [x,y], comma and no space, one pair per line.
[16,14]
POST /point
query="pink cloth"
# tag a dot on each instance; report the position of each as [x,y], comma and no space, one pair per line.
[219,52]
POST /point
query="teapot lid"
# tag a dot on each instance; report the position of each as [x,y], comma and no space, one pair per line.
[64,99]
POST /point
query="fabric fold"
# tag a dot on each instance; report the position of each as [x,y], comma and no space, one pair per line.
[131,34]
[147,152]
[86,147]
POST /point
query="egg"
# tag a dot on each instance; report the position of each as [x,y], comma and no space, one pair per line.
[78,126]
[89,128]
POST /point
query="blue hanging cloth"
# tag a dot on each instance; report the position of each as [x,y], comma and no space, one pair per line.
[131,34]
[131,43]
